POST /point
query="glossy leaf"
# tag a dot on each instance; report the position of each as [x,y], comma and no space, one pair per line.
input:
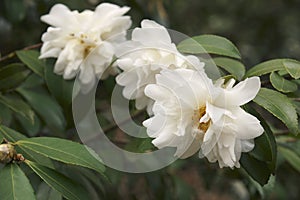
[267,67]
[46,107]
[234,67]
[61,89]
[291,157]
[68,188]
[257,169]
[31,59]
[17,105]
[280,106]
[209,44]
[281,84]
[14,136]
[64,151]
[293,68]
[12,75]
[14,185]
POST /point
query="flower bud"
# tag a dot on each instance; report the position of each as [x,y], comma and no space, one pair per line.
[7,153]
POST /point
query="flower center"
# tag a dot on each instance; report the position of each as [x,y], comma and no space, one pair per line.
[88,42]
[202,126]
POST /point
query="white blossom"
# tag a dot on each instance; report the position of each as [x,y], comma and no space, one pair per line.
[83,42]
[191,113]
[148,52]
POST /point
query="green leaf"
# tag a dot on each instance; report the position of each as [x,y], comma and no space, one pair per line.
[64,151]
[12,75]
[14,136]
[45,192]
[280,106]
[68,188]
[32,81]
[5,115]
[257,169]
[29,128]
[265,148]
[17,105]
[293,68]
[209,44]
[46,107]
[269,66]
[31,59]
[61,89]
[10,134]
[281,84]
[234,67]
[291,156]
[14,185]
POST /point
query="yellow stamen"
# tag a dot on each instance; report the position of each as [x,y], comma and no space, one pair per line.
[203,126]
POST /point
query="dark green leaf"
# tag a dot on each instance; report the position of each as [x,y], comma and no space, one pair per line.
[292,157]
[45,192]
[14,136]
[32,81]
[293,68]
[61,89]
[5,115]
[268,67]
[46,107]
[12,75]
[64,151]
[209,44]
[31,59]
[29,128]
[68,188]
[257,169]
[17,105]
[14,185]
[234,67]
[265,145]
[280,106]
[281,84]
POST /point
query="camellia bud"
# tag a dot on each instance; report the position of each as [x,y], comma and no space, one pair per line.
[7,153]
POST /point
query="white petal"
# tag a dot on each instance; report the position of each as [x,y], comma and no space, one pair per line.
[151,33]
[57,13]
[240,94]
[247,126]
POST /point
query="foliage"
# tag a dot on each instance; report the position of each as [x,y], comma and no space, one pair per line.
[36,117]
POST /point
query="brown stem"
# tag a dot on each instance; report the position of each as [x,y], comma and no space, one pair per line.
[12,54]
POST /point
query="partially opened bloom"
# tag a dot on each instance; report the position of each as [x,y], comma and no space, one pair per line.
[148,52]
[191,113]
[84,41]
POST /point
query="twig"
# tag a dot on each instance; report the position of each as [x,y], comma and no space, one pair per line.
[12,54]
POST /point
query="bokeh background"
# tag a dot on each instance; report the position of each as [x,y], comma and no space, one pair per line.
[261,30]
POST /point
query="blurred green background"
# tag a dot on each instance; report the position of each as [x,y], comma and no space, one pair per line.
[262,30]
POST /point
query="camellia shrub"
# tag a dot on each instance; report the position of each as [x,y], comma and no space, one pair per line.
[68,103]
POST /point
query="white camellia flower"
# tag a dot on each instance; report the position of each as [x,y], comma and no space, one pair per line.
[84,41]
[148,52]
[191,113]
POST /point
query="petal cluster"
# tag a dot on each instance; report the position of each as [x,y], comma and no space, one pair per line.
[148,52]
[84,41]
[193,114]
